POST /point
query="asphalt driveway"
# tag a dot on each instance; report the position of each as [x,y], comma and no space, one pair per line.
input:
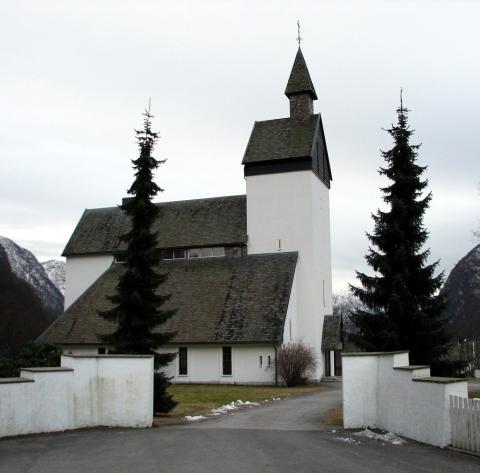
[283,436]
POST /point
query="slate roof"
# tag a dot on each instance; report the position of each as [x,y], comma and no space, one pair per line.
[299,80]
[188,223]
[219,300]
[283,138]
[332,332]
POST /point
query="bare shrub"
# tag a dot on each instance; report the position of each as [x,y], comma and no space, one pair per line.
[294,361]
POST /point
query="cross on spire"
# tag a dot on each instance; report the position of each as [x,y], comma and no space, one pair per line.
[299,38]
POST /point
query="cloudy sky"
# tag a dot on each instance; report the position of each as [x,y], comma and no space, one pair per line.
[75,77]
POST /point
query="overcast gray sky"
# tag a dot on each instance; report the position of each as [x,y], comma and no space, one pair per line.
[75,77]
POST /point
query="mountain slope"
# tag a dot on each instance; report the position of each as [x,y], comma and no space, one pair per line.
[462,289]
[26,266]
[23,316]
[55,270]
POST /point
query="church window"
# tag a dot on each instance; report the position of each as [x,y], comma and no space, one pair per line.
[323,291]
[195,253]
[269,360]
[183,361]
[174,254]
[227,361]
[210,252]
[261,360]
[179,254]
[120,259]
[324,160]
[316,160]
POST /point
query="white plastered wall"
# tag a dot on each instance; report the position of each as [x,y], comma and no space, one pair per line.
[290,332]
[205,364]
[381,390]
[293,207]
[81,273]
[86,391]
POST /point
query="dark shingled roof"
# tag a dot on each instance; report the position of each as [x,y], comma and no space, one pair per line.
[219,300]
[299,80]
[332,332]
[282,138]
[187,223]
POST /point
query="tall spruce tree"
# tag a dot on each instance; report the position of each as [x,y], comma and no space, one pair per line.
[403,310]
[137,303]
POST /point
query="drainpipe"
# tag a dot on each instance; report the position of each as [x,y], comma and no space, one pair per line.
[276,365]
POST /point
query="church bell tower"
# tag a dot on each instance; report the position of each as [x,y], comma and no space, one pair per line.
[288,176]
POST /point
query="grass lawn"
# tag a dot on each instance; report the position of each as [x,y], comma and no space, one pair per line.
[197,399]
[473,394]
[334,418]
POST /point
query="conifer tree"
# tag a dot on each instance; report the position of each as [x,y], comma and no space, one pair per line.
[137,303]
[403,310]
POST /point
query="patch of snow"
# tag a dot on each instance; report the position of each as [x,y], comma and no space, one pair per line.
[388,437]
[349,440]
[275,399]
[194,418]
[233,406]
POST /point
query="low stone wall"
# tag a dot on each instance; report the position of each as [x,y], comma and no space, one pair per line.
[86,391]
[382,390]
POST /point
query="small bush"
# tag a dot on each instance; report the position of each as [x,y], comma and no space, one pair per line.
[294,361]
[162,401]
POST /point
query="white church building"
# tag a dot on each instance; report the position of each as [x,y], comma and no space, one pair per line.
[247,273]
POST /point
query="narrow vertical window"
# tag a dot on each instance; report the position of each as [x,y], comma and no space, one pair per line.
[227,361]
[324,161]
[317,160]
[182,361]
[327,363]
[323,291]
[260,359]
[269,360]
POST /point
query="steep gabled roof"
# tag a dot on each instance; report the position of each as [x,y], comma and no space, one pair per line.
[186,223]
[299,80]
[219,300]
[282,138]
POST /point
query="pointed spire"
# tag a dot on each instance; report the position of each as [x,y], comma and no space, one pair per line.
[299,80]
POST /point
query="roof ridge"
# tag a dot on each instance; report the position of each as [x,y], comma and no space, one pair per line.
[283,118]
[173,201]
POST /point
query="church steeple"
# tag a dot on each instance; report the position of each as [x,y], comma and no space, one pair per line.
[300,90]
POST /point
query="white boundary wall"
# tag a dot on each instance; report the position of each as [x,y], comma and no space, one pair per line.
[381,390]
[86,391]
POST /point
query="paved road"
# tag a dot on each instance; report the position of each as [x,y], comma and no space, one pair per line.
[285,436]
